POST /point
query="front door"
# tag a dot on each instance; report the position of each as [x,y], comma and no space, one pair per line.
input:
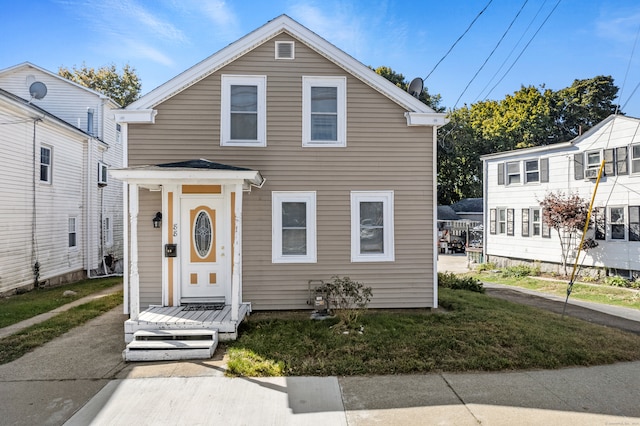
[204,243]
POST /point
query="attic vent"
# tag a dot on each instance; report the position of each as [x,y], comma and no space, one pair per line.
[285,50]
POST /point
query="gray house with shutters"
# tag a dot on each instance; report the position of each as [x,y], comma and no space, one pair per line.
[516,181]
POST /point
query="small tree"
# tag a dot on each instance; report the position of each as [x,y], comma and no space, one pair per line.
[567,214]
[350,298]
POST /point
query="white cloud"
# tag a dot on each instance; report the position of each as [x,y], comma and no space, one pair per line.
[142,50]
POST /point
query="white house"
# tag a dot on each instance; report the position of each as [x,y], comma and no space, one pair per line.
[62,212]
[516,181]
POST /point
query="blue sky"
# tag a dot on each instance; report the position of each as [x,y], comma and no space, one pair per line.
[162,38]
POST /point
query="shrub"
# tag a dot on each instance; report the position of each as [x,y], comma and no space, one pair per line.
[616,281]
[488,266]
[520,271]
[349,298]
[454,282]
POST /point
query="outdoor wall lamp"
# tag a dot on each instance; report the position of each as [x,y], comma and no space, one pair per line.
[157,220]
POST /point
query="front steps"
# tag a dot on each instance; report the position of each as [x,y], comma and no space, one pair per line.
[171,345]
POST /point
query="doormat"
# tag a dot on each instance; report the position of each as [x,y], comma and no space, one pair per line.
[203,307]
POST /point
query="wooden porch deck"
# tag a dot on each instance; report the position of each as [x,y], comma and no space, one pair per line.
[177,318]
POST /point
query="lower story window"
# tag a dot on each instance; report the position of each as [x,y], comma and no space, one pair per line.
[617,223]
[294,227]
[73,233]
[372,226]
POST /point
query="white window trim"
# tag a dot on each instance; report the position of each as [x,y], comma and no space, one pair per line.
[49,179]
[386,197]
[102,167]
[260,81]
[341,84]
[499,221]
[532,222]
[526,173]
[277,198]
[631,160]
[586,159]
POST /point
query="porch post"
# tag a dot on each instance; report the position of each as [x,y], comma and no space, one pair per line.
[134,277]
[236,286]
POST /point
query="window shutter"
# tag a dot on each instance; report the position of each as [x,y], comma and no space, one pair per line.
[609,164]
[525,222]
[510,221]
[492,221]
[634,223]
[578,166]
[622,164]
[544,170]
[500,173]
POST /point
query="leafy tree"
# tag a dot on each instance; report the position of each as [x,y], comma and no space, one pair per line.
[567,214]
[124,88]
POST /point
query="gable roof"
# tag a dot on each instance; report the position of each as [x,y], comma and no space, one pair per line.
[447,213]
[468,205]
[284,24]
[24,65]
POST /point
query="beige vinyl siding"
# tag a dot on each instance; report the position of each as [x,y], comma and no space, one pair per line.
[382,153]
[149,249]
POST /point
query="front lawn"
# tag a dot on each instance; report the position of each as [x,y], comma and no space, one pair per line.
[473,332]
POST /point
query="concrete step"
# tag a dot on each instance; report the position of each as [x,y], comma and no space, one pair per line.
[166,345]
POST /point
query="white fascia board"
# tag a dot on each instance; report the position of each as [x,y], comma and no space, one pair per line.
[532,150]
[135,116]
[166,175]
[426,119]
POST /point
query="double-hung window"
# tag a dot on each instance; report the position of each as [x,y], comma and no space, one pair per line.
[107,231]
[536,221]
[73,233]
[531,171]
[372,234]
[45,164]
[324,107]
[243,120]
[635,158]
[593,160]
[293,227]
[502,221]
[513,172]
[617,223]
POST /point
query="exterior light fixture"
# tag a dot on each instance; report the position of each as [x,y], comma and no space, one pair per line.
[157,220]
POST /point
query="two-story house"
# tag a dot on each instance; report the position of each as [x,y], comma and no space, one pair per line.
[62,212]
[515,183]
[278,162]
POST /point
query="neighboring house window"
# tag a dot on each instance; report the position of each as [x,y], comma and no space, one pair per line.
[243,119]
[102,174]
[73,233]
[324,107]
[617,223]
[599,223]
[45,164]
[634,223]
[372,234]
[118,133]
[108,231]
[510,221]
[635,158]
[531,222]
[293,227]
[513,172]
[531,171]
[502,221]
[492,221]
[593,159]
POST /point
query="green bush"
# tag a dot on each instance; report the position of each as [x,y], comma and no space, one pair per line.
[348,298]
[616,281]
[520,271]
[488,266]
[454,282]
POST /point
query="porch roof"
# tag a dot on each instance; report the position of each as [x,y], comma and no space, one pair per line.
[192,172]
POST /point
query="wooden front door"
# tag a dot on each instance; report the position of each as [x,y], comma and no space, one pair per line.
[204,265]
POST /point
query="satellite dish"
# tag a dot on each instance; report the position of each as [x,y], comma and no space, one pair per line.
[415,87]
[38,90]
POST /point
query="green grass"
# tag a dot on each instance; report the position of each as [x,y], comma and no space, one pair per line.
[19,307]
[628,298]
[18,344]
[476,333]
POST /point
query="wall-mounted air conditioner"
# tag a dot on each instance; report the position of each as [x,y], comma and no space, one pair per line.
[591,174]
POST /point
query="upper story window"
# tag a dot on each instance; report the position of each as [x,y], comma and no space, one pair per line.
[45,164]
[593,159]
[635,158]
[293,227]
[118,133]
[324,109]
[243,120]
[531,171]
[372,235]
[513,172]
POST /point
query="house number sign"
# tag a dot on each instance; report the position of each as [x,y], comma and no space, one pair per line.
[175,229]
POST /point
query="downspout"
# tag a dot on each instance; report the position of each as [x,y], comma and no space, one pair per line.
[88,209]
[34,251]
[485,210]
[124,135]
[434,202]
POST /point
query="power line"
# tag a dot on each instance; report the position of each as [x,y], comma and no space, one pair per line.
[491,54]
[624,82]
[525,47]
[459,38]
[510,53]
